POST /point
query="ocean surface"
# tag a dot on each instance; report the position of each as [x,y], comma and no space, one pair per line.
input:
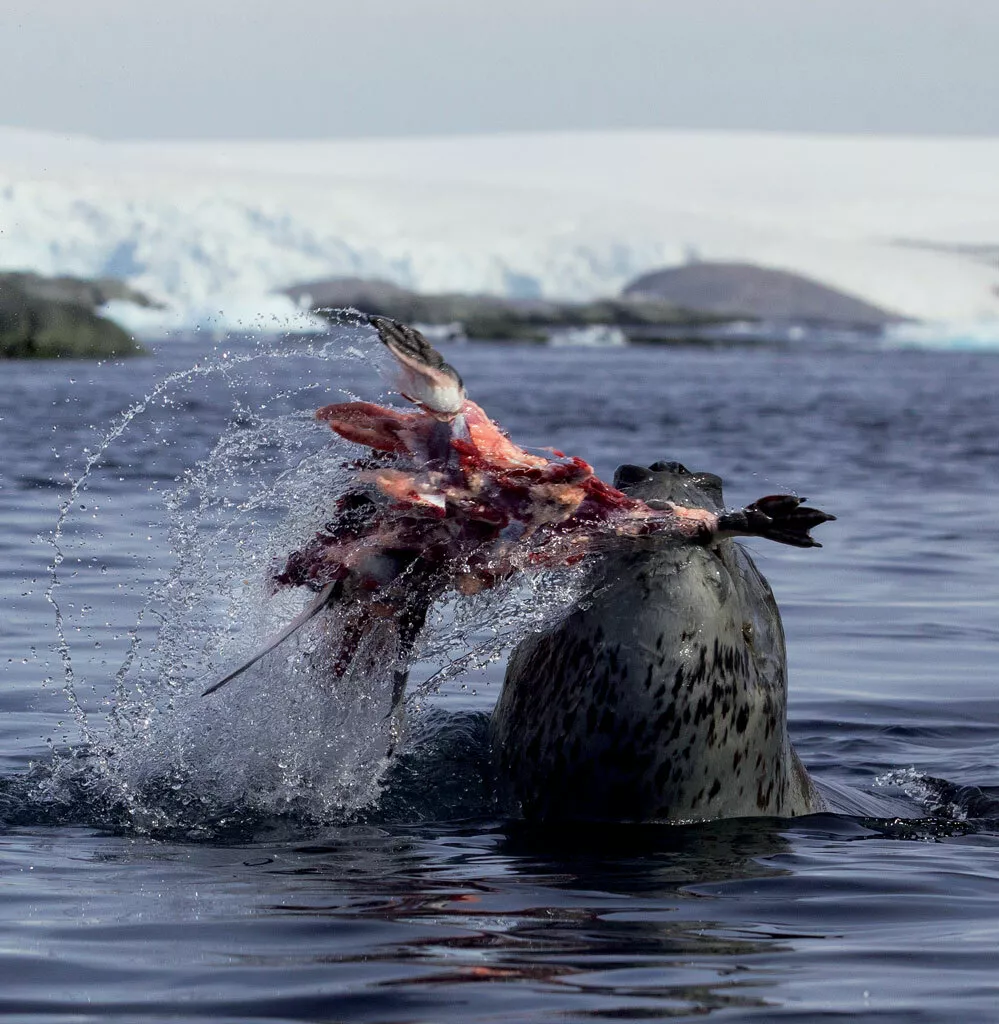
[164,857]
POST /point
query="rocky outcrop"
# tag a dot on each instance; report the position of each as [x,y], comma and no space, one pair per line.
[76,291]
[490,317]
[51,318]
[756,293]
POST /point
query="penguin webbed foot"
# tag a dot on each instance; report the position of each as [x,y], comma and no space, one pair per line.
[780,517]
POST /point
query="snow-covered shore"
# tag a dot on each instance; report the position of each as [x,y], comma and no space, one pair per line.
[212,228]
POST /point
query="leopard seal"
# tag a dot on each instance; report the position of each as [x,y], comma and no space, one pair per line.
[662,696]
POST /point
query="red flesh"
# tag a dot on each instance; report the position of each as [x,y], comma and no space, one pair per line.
[492,510]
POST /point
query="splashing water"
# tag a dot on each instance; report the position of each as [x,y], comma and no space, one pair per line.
[290,738]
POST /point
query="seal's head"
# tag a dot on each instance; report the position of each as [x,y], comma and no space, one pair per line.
[670,481]
[661,696]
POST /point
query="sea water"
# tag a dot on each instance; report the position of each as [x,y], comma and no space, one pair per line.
[254,857]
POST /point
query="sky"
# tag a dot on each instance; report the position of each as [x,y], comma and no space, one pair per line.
[314,69]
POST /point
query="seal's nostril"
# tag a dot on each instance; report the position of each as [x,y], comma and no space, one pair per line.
[670,467]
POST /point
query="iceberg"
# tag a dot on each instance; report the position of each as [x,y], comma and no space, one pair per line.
[593,336]
[968,335]
[214,229]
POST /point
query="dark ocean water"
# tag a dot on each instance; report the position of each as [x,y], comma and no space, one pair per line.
[117,904]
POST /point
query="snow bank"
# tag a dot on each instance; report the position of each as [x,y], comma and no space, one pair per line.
[211,228]
[253,313]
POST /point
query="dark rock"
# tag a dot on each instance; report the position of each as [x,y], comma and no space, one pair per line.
[77,291]
[488,316]
[49,318]
[756,293]
[357,292]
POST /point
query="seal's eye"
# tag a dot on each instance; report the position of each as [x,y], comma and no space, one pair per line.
[676,468]
[628,474]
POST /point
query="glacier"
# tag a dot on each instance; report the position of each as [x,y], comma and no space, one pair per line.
[212,229]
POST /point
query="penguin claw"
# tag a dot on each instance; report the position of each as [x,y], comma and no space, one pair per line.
[779,517]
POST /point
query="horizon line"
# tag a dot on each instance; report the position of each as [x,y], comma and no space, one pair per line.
[811,133]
